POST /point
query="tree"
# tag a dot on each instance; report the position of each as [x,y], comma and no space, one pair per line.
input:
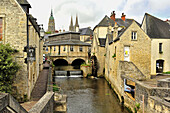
[8,68]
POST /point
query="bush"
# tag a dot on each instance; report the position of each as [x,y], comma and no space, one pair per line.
[8,68]
[84,64]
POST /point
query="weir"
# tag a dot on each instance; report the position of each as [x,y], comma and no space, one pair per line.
[77,73]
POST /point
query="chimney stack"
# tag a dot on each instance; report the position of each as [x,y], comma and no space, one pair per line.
[113,15]
[123,17]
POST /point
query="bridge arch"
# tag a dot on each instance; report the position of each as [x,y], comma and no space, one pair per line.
[78,61]
[60,62]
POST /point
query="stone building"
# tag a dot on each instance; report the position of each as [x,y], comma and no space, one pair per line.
[21,31]
[67,47]
[51,24]
[86,35]
[158,31]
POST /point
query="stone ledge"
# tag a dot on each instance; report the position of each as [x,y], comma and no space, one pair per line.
[42,103]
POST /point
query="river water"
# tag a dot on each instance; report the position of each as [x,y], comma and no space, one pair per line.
[89,95]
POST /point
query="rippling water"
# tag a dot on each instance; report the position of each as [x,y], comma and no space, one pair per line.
[89,96]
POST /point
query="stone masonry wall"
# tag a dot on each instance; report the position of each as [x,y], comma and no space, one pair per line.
[15,34]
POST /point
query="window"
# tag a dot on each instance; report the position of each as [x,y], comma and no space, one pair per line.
[46,48]
[134,35]
[54,48]
[80,48]
[1,29]
[71,48]
[160,48]
[64,48]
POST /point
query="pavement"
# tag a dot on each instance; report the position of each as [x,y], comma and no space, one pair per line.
[39,89]
[153,82]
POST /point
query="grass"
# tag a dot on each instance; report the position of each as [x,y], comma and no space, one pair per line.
[168,72]
[55,88]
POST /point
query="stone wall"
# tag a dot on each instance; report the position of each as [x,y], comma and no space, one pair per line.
[86,70]
[15,33]
[153,96]
[44,105]
[9,104]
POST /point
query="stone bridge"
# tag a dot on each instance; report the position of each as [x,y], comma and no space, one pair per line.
[64,59]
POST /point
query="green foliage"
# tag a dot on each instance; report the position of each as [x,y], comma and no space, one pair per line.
[137,107]
[48,32]
[55,88]
[84,64]
[168,72]
[114,55]
[89,74]
[8,68]
[104,54]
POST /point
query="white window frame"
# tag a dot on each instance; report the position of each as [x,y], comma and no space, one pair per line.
[134,35]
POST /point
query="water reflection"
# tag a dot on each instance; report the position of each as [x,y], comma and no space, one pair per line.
[89,96]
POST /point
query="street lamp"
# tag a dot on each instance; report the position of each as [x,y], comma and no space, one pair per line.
[42,31]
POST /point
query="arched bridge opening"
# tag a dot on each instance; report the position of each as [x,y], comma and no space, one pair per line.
[77,62]
[60,62]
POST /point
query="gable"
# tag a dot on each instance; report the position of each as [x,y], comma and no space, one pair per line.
[155,27]
[134,27]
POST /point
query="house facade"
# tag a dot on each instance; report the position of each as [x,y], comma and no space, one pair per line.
[158,31]
[67,46]
[20,30]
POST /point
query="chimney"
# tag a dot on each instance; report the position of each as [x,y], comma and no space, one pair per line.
[113,15]
[123,17]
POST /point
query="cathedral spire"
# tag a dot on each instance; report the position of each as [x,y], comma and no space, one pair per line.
[71,28]
[77,24]
[76,27]
[51,23]
[51,12]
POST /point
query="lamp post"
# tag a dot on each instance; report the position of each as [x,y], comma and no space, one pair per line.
[42,32]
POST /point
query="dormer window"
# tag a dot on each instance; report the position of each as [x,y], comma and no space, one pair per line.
[134,35]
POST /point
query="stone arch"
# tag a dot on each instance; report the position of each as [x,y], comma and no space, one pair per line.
[78,61]
[60,62]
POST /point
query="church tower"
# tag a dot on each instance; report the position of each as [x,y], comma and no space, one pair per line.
[76,27]
[71,28]
[51,23]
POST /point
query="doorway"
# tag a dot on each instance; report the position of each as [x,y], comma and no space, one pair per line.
[159,66]
[126,53]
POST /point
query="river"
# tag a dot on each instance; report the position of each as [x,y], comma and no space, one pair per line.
[89,95]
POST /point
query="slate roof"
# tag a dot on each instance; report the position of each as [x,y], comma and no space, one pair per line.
[69,42]
[34,23]
[106,21]
[102,41]
[156,28]
[24,2]
[86,31]
[63,33]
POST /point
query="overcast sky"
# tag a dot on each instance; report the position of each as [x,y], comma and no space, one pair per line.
[91,12]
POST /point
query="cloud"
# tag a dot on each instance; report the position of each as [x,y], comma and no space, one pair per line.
[91,12]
